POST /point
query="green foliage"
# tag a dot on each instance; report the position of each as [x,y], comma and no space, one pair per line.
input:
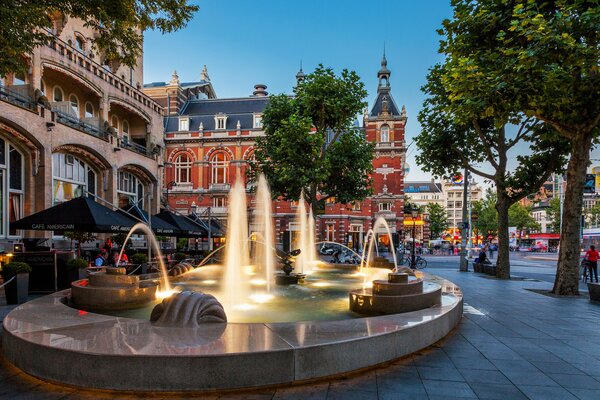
[438,220]
[139,258]
[182,243]
[180,256]
[553,214]
[296,156]
[592,215]
[13,268]
[520,217]
[80,237]
[120,24]
[77,263]
[485,216]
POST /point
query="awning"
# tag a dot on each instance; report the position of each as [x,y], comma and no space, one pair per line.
[186,227]
[81,214]
[216,228]
[159,226]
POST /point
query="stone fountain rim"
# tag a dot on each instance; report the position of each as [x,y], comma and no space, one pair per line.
[33,349]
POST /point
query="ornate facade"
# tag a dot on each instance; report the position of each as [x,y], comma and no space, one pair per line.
[209,141]
[75,122]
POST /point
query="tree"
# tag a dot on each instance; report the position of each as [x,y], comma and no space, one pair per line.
[119,23]
[459,133]
[485,215]
[553,214]
[520,217]
[438,220]
[311,144]
[80,237]
[545,54]
[592,215]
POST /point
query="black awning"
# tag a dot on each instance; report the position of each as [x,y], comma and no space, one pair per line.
[187,227]
[159,226]
[79,214]
[216,228]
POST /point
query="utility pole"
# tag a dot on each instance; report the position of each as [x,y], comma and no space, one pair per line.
[464,263]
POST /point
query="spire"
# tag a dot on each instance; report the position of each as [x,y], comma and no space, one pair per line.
[204,74]
[403,112]
[384,74]
[174,79]
[300,75]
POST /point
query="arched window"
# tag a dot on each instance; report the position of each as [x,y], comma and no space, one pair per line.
[183,169]
[130,190]
[89,110]
[80,43]
[74,104]
[12,185]
[58,94]
[125,131]
[70,177]
[114,122]
[219,166]
[385,134]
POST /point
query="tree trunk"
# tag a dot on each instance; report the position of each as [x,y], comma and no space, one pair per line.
[503,257]
[567,271]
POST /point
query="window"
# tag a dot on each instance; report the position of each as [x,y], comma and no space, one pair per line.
[385,134]
[220,121]
[385,206]
[74,104]
[58,94]
[89,110]
[80,43]
[11,187]
[130,190]
[219,166]
[356,206]
[183,169]
[125,131]
[19,78]
[258,121]
[70,177]
[184,124]
[330,232]
[114,122]
[220,201]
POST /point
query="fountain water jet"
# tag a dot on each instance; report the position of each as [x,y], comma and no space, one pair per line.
[264,254]
[308,255]
[236,286]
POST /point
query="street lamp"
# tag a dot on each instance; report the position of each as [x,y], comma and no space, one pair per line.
[414,211]
[170,186]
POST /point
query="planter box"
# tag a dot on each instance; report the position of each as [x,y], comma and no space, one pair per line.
[17,291]
[594,290]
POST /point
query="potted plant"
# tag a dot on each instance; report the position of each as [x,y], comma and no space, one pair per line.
[140,258]
[18,289]
[179,256]
[77,269]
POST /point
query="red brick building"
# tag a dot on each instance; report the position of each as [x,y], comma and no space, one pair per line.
[210,140]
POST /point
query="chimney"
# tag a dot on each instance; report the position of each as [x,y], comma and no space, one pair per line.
[260,90]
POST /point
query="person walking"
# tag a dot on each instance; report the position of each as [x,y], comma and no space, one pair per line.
[491,250]
[592,257]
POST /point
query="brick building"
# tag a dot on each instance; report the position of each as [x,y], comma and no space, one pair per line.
[75,121]
[209,141]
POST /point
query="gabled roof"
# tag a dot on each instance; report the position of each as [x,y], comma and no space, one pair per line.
[377,106]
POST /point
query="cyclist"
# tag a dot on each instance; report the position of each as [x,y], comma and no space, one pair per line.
[592,256]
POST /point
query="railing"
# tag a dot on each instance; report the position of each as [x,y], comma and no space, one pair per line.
[138,148]
[17,98]
[213,210]
[76,123]
[72,54]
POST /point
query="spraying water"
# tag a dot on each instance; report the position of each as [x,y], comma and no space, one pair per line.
[307,258]
[140,226]
[264,252]
[236,287]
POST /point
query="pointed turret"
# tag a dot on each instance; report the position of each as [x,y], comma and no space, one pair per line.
[204,74]
[300,75]
[384,75]
[174,79]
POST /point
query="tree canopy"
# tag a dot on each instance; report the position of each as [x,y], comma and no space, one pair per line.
[119,23]
[438,220]
[520,217]
[311,144]
[485,215]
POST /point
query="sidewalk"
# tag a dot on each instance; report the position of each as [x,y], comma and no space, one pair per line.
[512,344]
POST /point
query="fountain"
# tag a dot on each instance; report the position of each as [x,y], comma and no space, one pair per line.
[218,319]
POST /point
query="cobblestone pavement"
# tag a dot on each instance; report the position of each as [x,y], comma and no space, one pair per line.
[512,343]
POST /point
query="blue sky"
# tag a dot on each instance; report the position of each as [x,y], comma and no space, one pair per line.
[248,42]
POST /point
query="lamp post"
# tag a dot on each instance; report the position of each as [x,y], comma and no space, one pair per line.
[414,211]
[170,186]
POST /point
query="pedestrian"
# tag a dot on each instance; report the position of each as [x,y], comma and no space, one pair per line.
[124,260]
[491,250]
[592,257]
[101,259]
[108,245]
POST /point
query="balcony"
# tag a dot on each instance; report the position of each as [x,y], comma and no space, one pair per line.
[214,211]
[136,147]
[72,58]
[18,96]
[66,116]
[219,187]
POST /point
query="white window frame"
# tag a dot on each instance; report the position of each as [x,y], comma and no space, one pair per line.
[184,124]
[385,130]
[257,121]
[220,122]
[215,166]
[183,168]
[385,206]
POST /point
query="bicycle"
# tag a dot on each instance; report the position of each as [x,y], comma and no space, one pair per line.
[584,271]
[420,262]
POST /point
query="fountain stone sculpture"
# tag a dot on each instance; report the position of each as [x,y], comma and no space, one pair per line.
[288,278]
[112,289]
[188,309]
[398,294]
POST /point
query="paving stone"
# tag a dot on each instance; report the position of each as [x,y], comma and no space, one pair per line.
[585,394]
[474,363]
[561,367]
[495,391]
[448,389]
[484,376]
[546,393]
[576,381]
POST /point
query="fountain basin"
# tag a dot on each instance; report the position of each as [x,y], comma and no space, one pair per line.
[364,302]
[52,341]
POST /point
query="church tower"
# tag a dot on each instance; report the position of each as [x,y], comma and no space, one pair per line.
[384,125]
